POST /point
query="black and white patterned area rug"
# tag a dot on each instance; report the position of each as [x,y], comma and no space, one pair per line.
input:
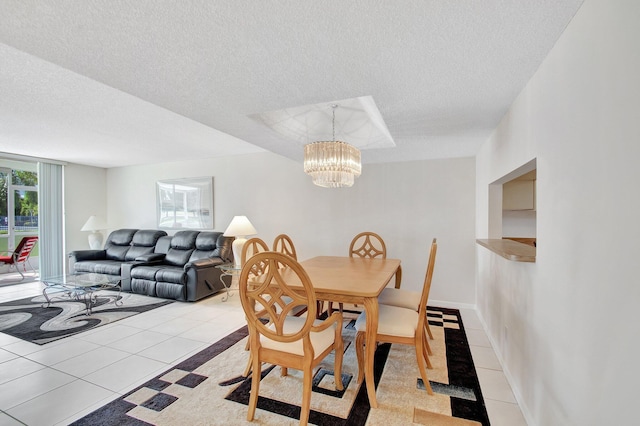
[209,388]
[30,319]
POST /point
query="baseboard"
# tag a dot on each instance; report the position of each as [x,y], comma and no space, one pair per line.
[451,305]
[518,396]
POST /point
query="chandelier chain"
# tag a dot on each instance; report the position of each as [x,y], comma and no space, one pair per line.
[333,107]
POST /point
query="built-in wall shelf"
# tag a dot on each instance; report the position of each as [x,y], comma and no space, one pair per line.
[510,250]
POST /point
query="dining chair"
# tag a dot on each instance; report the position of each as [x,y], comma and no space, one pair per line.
[402,326]
[365,245]
[406,298]
[368,245]
[299,342]
[21,255]
[252,247]
[283,244]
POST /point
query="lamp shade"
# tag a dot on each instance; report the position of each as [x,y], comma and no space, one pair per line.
[240,227]
[94,223]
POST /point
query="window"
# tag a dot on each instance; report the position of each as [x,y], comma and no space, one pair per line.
[18,203]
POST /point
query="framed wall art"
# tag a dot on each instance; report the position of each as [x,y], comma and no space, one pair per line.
[185,203]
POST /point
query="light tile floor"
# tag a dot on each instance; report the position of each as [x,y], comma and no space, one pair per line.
[62,381]
[501,404]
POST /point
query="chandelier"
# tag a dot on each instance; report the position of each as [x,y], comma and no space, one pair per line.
[332,164]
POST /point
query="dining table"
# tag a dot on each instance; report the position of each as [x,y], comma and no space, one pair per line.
[358,281]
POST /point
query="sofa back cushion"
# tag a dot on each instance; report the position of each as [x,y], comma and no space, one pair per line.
[224,247]
[206,246]
[163,245]
[118,244]
[143,242]
[183,243]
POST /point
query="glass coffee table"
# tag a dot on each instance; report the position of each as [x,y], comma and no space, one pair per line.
[80,287]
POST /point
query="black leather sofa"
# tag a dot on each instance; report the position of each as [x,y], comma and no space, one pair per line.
[120,251]
[149,262]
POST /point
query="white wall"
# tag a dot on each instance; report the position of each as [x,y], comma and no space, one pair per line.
[406,203]
[519,223]
[566,327]
[85,194]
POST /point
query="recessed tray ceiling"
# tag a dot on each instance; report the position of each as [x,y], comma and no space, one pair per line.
[357,122]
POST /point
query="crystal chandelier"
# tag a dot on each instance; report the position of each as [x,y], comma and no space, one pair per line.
[332,164]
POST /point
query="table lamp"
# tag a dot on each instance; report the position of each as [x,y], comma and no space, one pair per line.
[95,224]
[240,227]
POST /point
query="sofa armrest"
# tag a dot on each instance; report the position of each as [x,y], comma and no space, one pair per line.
[80,255]
[150,258]
[203,278]
[125,275]
[207,262]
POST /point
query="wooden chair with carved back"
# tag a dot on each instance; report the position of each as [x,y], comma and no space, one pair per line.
[299,342]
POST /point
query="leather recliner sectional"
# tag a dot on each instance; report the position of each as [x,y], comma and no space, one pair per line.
[149,262]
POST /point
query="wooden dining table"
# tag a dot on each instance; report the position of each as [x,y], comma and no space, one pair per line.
[358,281]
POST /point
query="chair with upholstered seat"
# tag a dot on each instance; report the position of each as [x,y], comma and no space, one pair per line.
[283,244]
[405,299]
[283,339]
[402,326]
[252,247]
[367,245]
[20,256]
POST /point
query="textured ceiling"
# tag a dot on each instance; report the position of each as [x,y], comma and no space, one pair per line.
[115,83]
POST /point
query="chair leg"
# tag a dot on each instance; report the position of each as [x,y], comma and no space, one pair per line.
[426,351]
[423,371]
[306,395]
[426,322]
[330,308]
[255,388]
[338,349]
[247,369]
[19,271]
[426,326]
[360,355]
[283,371]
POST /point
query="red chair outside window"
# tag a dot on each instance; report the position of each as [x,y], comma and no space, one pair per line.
[20,255]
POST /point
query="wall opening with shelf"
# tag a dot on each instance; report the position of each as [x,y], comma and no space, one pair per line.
[512,205]
[512,215]
[519,208]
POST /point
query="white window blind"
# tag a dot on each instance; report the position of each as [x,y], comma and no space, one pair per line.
[50,201]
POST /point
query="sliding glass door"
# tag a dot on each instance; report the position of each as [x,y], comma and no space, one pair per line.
[18,207]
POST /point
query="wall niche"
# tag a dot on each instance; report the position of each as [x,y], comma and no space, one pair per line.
[512,205]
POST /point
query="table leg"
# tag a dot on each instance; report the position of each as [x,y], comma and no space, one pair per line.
[118,296]
[398,276]
[89,301]
[44,293]
[226,297]
[371,309]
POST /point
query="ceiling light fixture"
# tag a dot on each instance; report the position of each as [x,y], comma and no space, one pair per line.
[332,164]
